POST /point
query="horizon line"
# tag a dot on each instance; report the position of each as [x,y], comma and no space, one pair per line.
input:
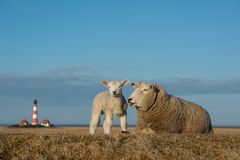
[115,125]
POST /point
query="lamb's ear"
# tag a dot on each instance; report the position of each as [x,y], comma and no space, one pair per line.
[105,83]
[124,82]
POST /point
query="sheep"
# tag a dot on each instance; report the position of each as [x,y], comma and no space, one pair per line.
[111,103]
[158,112]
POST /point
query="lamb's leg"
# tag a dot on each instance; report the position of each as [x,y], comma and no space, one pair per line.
[123,123]
[107,125]
[94,122]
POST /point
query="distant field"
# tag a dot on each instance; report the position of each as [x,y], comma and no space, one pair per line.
[76,143]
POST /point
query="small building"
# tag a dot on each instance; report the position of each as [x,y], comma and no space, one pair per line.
[46,123]
[23,122]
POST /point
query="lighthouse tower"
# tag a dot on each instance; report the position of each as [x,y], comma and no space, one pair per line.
[35,114]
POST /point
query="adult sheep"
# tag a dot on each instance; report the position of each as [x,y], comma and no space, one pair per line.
[160,112]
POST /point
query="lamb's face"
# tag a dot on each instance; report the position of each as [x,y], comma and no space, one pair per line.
[115,87]
[142,97]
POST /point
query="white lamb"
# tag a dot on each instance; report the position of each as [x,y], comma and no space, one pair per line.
[111,103]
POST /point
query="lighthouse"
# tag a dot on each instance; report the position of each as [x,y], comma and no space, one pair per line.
[35,113]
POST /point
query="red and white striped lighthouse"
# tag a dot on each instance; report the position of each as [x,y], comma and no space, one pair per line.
[35,113]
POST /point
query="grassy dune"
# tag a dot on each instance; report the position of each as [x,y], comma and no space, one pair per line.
[76,143]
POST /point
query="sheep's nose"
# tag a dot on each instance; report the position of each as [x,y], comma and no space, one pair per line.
[129,100]
[114,92]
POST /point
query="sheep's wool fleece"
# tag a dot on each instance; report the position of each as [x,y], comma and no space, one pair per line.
[170,114]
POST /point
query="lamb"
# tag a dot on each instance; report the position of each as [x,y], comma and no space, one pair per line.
[159,112]
[111,103]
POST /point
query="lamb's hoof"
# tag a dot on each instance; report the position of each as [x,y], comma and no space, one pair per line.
[125,132]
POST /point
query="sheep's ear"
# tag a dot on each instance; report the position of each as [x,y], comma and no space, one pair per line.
[124,82]
[134,85]
[105,83]
[151,86]
[154,88]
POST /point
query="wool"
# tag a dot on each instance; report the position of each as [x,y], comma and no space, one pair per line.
[164,113]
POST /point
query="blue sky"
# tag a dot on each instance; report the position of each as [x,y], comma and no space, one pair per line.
[59,51]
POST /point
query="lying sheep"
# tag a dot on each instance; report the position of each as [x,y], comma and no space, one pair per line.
[110,103]
[160,112]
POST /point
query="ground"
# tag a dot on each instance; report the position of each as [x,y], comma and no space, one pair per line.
[76,143]
[85,130]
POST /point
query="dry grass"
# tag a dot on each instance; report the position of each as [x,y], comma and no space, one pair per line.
[69,143]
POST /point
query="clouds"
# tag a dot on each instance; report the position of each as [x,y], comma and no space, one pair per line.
[68,85]
[65,86]
[202,86]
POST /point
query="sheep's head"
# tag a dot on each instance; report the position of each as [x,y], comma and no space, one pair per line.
[115,87]
[143,95]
